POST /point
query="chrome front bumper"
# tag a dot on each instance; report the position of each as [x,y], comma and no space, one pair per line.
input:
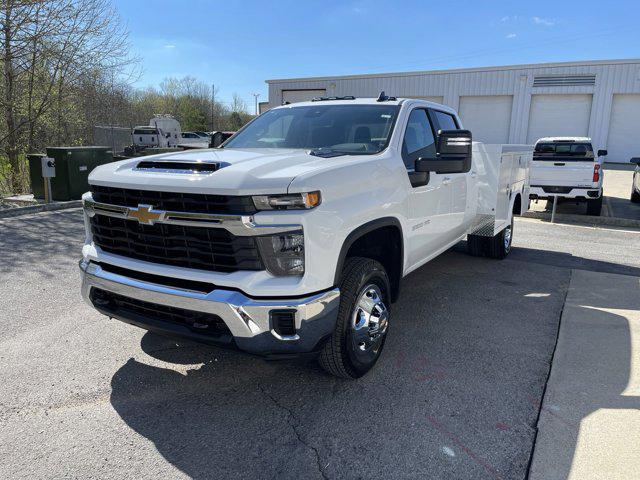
[248,319]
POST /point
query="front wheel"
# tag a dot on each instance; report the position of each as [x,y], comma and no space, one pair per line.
[363,320]
[635,196]
[499,245]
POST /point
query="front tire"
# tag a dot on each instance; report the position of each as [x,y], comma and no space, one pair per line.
[363,320]
[635,196]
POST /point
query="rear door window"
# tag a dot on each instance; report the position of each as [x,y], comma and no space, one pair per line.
[444,120]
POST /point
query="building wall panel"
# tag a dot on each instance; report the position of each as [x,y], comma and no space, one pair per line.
[612,77]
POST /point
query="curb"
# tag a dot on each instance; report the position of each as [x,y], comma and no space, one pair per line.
[585,219]
[44,207]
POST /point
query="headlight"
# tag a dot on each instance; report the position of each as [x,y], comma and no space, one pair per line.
[294,201]
[283,254]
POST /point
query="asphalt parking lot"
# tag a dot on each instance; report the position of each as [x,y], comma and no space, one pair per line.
[456,394]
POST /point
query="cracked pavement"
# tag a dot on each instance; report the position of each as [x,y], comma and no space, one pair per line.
[456,394]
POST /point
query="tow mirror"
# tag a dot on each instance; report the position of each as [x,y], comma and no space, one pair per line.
[453,153]
[603,153]
[635,160]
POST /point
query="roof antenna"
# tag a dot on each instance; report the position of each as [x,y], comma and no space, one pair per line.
[382,97]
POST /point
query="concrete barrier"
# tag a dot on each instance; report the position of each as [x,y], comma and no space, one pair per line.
[41,207]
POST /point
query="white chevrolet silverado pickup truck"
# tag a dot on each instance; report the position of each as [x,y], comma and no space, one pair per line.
[292,238]
[567,168]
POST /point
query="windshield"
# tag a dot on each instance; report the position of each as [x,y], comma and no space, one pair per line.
[346,129]
[564,149]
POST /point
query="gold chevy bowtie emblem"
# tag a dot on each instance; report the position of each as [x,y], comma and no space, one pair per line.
[145,214]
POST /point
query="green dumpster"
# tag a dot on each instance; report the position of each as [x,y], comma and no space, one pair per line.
[73,166]
[35,174]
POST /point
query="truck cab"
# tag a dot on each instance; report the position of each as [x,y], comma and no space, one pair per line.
[292,238]
[568,168]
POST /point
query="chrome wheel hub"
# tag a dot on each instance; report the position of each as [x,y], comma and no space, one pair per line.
[507,238]
[369,323]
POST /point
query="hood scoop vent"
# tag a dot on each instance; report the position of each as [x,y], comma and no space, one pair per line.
[178,166]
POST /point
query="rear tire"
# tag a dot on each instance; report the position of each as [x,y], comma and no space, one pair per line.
[499,245]
[635,196]
[363,320]
[594,207]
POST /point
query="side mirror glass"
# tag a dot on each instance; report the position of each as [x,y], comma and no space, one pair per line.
[454,143]
[453,153]
[603,153]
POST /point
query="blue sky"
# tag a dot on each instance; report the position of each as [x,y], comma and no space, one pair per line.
[239,44]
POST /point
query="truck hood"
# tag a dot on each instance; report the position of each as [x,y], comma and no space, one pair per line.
[241,172]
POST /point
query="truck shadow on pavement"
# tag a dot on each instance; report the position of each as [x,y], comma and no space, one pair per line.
[567,260]
[469,349]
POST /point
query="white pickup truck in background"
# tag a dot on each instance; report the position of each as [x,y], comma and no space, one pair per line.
[293,238]
[163,131]
[567,168]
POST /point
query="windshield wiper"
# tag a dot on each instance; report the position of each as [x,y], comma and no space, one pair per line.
[327,153]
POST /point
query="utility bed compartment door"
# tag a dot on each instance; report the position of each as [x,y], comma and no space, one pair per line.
[566,172]
[502,172]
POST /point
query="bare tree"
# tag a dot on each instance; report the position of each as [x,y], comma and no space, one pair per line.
[49,49]
[238,105]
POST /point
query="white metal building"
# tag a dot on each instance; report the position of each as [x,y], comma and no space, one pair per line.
[511,104]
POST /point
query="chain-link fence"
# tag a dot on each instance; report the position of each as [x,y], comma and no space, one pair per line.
[115,137]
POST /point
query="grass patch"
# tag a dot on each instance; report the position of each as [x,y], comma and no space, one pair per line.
[6,188]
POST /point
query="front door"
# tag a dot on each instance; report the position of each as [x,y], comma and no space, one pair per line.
[429,201]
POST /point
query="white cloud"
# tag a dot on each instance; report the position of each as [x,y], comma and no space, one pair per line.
[546,22]
[170,46]
[505,18]
[511,35]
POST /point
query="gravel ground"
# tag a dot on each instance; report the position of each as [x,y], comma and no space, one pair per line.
[455,395]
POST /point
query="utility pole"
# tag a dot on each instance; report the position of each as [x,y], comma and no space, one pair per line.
[256,95]
[213,104]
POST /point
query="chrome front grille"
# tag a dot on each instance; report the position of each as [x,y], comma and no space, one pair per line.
[213,249]
[206,232]
[173,201]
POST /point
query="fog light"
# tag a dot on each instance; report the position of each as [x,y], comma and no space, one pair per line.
[283,322]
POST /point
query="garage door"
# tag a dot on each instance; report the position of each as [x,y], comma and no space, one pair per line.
[559,116]
[624,129]
[488,117]
[295,96]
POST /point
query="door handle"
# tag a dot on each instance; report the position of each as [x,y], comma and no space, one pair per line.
[473,174]
[446,180]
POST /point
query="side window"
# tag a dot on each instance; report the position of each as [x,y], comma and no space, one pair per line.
[418,138]
[445,121]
